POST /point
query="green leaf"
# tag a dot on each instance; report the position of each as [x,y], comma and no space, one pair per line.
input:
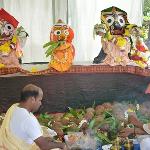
[92,123]
[64,127]
[48,54]
[73,112]
[45,116]
[67,115]
[93,106]
[108,114]
[48,44]
[51,49]
[102,137]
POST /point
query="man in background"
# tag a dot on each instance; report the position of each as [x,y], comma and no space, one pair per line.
[141,129]
[20,129]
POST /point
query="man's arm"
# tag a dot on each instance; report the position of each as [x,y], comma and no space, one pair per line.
[135,121]
[139,130]
[46,144]
[128,131]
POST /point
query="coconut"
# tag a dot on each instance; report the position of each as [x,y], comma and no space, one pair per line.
[90,110]
[88,116]
[107,106]
[99,109]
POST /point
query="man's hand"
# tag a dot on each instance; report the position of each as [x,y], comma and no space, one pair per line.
[126,132]
[133,120]
[46,144]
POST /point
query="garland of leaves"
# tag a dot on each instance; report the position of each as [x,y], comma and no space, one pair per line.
[51,46]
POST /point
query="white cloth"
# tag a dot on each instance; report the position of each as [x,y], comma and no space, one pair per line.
[145,144]
[146,128]
[25,125]
[145,139]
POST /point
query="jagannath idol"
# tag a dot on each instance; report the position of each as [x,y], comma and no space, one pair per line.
[60,47]
[12,39]
[122,42]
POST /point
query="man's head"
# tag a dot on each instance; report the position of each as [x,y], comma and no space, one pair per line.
[32,95]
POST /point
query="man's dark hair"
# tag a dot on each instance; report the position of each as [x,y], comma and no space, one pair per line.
[30,90]
[26,94]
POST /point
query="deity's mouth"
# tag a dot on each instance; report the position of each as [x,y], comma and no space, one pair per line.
[122,50]
[116,30]
[3,35]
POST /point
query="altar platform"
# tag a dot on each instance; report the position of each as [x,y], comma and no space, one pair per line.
[81,86]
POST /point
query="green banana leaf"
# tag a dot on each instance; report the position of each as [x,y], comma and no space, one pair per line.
[91,124]
[48,44]
[45,116]
[103,138]
[51,49]
[73,112]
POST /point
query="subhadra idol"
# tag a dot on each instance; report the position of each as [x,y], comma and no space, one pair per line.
[60,47]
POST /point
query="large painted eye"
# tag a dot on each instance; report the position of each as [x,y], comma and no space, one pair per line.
[121,20]
[110,20]
[9,27]
[66,32]
[57,32]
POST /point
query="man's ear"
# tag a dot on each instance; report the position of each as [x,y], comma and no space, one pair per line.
[32,99]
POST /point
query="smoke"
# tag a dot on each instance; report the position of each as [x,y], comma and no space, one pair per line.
[145,108]
[119,110]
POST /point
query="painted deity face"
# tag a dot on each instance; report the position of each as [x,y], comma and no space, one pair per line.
[115,20]
[61,32]
[6,29]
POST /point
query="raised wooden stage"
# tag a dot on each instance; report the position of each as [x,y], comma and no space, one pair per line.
[79,87]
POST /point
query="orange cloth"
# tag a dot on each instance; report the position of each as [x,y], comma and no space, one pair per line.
[62,57]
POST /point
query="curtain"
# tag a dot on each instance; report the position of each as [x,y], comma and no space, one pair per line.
[1,3]
[60,10]
[83,15]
